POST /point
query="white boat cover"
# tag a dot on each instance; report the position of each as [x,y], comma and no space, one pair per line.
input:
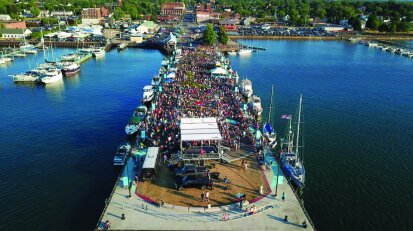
[199,129]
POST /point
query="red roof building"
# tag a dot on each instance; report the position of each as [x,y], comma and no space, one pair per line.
[173,8]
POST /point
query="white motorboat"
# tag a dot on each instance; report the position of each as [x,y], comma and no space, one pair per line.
[99,52]
[122,46]
[69,57]
[256,105]
[7,59]
[121,154]
[232,52]
[51,75]
[372,44]
[246,88]
[245,52]
[26,77]
[148,94]
[70,68]
[30,51]
[135,122]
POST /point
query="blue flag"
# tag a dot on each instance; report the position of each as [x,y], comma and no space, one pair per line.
[268,127]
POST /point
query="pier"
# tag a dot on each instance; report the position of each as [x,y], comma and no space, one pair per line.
[199,116]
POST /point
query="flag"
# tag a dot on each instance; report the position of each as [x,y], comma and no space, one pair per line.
[287,117]
[268,128]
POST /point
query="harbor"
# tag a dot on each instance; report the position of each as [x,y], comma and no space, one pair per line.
[208,122]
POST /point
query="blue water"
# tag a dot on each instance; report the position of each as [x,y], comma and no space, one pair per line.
[358,127]
[57,141]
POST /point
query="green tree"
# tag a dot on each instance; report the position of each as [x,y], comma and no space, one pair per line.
[35,11]
[373,22]
[392,27]
[403,27]
[209,35]
[153,18]
[383,27]
[355,23]
[118,14]
[223,37]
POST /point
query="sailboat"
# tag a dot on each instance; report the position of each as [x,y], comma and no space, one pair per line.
[267,130]
[291,160]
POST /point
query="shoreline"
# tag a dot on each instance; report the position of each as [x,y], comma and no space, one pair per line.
[334,38]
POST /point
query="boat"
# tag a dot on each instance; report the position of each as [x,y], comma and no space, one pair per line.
[135,122]
[246,88]
[51,75]
[354,39]
[19,55]
[243,51]
[156,80]
[232,52]
[99,52]
[121,154]
[7,59]
[29,76]
[70,68]
[69,58]
[291,160]
[122,46]
[372,44]
[86,50]
[148,94]
[267,130]
[256,105]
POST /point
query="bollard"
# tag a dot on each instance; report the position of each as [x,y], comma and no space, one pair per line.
[304,224]
[123,216]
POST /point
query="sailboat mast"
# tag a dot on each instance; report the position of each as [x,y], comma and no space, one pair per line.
[42,41]
[290,134]
[298,124]
[269,113]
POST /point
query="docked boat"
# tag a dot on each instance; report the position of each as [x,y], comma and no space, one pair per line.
[69,58]
[373,44]
[135,122]
[245,51]
[122,46]
[70,68]
[246,88]
[267,130]
[148,94]
[256,105]
[19,55]
[28,77]
[291,160]
[156,80]
[232,52]
[51,75]
[99,52]
[6,59]
[121,154]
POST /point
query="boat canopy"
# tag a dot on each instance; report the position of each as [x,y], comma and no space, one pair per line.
[219,71]
[171,75]
[193,129]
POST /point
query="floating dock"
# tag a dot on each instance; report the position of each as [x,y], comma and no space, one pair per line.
[130,208]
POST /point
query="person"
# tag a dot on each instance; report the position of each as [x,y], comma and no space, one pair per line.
[207,196]
[202,196]
[283,196]
[246,166]
[226,182]
[107,224]
[165,158]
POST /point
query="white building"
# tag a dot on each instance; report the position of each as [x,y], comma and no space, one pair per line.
[14,33]
[5,17]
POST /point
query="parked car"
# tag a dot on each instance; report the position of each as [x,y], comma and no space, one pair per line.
[202,181]
[190,169]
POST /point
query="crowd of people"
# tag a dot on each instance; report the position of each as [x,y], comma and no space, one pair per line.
[195,93]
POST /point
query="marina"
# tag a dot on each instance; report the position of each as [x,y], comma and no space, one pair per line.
[206,126]
[350,106]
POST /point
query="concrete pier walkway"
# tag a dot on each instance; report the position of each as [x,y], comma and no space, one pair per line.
[271,211]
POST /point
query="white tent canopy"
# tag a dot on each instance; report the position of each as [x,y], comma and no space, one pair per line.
[171,75]
[219,71]
[199,129]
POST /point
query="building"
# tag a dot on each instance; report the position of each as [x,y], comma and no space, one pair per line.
[173,8]
[136,38]
[105,11]
[44,13]
[229,25]
[248,21]
[202,16]
[147,27]
[14,33]
[15,25]
[333,28]
[5,17]
[61,13]
[91,15]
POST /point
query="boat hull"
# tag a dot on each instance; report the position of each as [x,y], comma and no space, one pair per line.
[70,72]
